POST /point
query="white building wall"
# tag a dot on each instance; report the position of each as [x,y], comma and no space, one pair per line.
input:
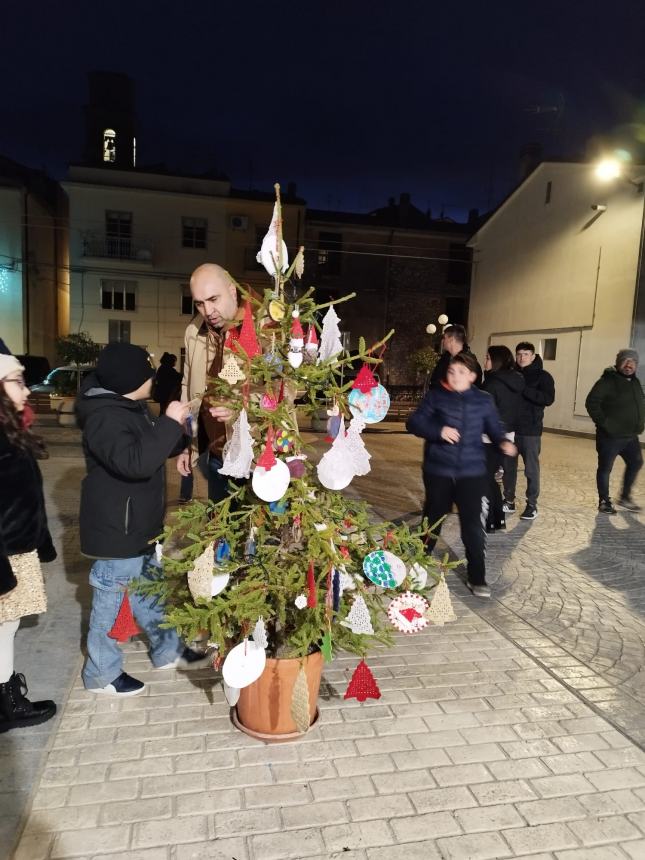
[560,270]
[11,288]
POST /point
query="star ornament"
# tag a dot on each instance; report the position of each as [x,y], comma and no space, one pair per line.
[408,612]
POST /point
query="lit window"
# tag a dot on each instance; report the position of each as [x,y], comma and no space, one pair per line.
[109,145]
[193,232]
[187,306]
[117,295]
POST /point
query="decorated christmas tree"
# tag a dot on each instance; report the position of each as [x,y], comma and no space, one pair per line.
[286,562]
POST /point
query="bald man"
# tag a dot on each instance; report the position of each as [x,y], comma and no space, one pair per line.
[217,302]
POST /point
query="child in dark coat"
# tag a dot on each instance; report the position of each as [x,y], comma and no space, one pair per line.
[452,418]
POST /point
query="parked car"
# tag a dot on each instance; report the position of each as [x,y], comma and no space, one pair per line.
[64,381]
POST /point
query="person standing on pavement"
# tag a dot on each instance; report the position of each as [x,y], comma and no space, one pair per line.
[617,408]
[167,385]
[452,418]
[505,385]
[538,393]
[122,511]
[25,542]
[453,342]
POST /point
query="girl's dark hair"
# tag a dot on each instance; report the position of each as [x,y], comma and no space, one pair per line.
[501,358]
[467,359]
[18,435]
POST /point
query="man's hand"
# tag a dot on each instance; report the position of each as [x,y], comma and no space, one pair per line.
[509,449]
[183,463]
[450,435]
[222,413]
[178,411]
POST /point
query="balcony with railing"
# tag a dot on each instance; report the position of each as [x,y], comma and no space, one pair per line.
[118,248]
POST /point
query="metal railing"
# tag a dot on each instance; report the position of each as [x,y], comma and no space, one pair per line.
[118,248]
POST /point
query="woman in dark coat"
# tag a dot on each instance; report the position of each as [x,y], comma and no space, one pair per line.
[505,385]
[167,382]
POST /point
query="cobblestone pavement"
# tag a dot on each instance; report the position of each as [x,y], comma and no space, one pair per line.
[478,748]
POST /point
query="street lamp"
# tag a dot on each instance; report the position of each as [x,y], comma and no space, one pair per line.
[608,169]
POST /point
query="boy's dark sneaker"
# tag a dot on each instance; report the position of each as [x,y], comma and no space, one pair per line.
[629,504]
[509,507]
[529,513]
[123,686]
[190,659]
[605,507]
[479,590]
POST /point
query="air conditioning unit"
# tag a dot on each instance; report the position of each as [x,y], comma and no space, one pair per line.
[239,222]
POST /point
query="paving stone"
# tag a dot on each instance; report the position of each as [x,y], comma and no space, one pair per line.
[541,837]
[461,774]
[246,822]
[559,786]
[419,826]
[616,802]
[509,791]
[439,799]
[611,828]
[288,846]
[551,811]
[172,831]
[479,820]
[85,843]
[483,846]
[626,777]
[277,795]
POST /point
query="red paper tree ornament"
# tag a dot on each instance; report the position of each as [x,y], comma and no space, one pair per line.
[365,380]
[248,338]
[267,459]
[410,614]
[363,684]
[124,624]
[296,329]
[312,595]
[312,337]
[232,338]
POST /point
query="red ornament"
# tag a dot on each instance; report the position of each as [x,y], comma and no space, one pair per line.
[267,458]
[365,380]
[363,684]
[124,624]
[232,338]
[344,551]
[281,392]
[410,614]
[248,338]
[312,337]
[312,597]
[296,329]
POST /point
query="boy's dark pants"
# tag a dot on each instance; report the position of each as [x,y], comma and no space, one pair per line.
[471,497]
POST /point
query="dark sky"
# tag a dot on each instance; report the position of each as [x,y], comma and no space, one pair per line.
[355,101]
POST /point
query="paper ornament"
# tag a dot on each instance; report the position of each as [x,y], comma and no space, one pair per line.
[260,633]
[243,664]
[363,684]
[277,310]
[219,583]
[301,601]
[296,466]
[267,459]
[355,445]
[326,647]
[268,402]
[238,451]
[231,371]
[300,702]
[441,610]
[299,263]
[407,612]
[358,618]
[347,582]
[365,380]
[248,339]
[270,485]
[272,249]
[124,624]
[336,469]
[384,568]
[372,406]
[232,694]
[419,576]
[330,342]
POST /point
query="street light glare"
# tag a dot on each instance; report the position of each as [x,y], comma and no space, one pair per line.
[608,169]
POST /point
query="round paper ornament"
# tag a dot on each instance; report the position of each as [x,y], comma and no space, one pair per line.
[271,485]
[276,310]
[418,575]
[407,612]
[244,664]
[296,466]
[335,474]
[219,583]
[372,406]
[384,568]
[232,694]
[284,441]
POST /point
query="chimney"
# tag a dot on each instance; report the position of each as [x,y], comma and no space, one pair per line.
[530,156]
[404,207]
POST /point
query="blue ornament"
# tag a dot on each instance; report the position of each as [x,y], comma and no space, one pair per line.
[223,552]
[278,507]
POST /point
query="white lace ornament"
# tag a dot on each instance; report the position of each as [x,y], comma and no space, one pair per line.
[201,576]
[358,452]
[238,451]
[330,342]
[441,610]
[269,252]
[358,618]
[260,633]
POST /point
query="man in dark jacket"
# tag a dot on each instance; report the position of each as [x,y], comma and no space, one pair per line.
[122,510]
[617,408]
[453,342]
[538,393]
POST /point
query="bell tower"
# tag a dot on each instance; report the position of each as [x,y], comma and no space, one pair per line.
[110,121]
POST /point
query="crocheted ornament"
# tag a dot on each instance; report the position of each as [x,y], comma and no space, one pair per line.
[297,334]
[238,451]
[372,406]
[407,612]
[365,379]
[358,618]
[284,441]
[441,610]
[299,263]
[260,633]
[248,339]
[312,593]
[311,341]
[200,577]
[362,684]
[301,601]
[330,342]
[300,702]
[384,568]
[231,371]
[124,624]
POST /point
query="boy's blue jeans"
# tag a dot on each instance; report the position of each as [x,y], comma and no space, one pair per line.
[108,578]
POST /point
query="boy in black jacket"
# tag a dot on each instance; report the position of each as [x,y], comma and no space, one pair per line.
[122,510]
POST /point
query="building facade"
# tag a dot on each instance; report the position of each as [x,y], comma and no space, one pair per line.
[559,264]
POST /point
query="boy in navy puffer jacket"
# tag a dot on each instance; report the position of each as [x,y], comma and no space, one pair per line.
[452,418]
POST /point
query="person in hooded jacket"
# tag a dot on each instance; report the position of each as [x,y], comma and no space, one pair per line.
[452,419]
[122,511]
[167,384]
[505,385]
[24,542]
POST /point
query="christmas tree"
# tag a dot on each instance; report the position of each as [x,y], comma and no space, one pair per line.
[292,548]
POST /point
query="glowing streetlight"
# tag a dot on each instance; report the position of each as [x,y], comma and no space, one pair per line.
[608,169]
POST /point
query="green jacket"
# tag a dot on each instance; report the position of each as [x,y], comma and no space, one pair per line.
[616,404]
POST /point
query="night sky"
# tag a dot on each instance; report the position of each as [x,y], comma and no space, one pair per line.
[355,101]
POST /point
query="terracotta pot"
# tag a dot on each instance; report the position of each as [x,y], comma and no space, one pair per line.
[264,707]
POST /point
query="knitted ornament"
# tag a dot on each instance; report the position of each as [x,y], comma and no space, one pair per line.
[248,339]
[335,590]
[300,702]
[441,609]
[124,624]
[358,618]
[407,612]
[363,684]
[312,596]
[231,371]
[297,334]
[296,466]
[365,379]
[311,342]
[300,601]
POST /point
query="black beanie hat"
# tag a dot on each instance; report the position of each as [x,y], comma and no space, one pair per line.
[123,367]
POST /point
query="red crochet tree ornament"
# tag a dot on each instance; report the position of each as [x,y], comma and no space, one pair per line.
[365,380]
[124,624]
[267,459]
[248,338]
[363,684]
[312,595]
